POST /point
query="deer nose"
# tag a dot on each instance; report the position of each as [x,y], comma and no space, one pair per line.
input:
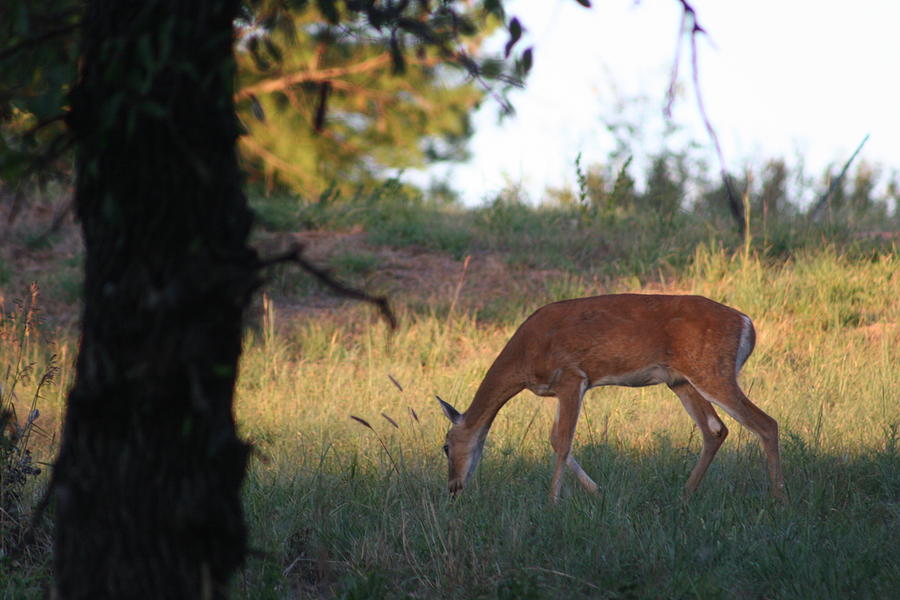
[455,487]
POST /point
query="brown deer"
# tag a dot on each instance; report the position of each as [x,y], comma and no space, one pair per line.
[692,344]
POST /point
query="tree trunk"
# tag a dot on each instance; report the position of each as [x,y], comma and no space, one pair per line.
[147,485]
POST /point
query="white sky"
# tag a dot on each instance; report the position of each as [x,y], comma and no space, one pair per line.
[789,78]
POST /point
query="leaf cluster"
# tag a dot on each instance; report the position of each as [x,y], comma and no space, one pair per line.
[38,58]
[341,91]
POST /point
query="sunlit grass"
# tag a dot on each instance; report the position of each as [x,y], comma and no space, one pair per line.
[340,509]
[343,509]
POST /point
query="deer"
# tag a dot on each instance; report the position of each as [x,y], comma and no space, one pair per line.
[694,345]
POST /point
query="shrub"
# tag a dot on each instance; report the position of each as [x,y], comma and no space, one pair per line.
[20,370]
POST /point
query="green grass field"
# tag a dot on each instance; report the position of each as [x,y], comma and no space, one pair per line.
[338,509]
[341,510]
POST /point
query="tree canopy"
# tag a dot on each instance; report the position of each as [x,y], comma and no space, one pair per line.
[327,105]
[38,60]
[326,91]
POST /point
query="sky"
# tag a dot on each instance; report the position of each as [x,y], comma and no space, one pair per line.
[796,79]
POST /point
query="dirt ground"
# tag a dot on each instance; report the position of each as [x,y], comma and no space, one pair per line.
[43,243]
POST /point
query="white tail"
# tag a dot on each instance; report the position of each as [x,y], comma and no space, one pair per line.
[692,344]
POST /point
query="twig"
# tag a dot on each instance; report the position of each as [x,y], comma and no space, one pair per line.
[295,255]
[319,75]
[823,199]
[273,85]
[690,15]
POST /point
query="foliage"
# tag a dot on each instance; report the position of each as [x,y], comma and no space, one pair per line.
[376,119]
[37,65]
[338,517]
[608,227]
[381,520]
[675,184]
[392,213]
[23,372]
[337,93]
[328,91]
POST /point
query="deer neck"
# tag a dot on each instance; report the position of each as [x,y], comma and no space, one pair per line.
[491,396]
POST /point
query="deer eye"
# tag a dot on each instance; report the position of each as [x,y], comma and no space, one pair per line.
[447,449]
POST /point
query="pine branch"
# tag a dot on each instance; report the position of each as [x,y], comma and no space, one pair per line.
[319,75]
[274,85]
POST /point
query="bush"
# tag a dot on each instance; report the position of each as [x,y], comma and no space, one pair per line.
[20,369]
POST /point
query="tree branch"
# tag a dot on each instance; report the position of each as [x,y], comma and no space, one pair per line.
[258,149]
[295,255]
[690,15]
[273,85]
[318,75]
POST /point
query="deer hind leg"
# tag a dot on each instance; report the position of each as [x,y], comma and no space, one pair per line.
[562,435]
[711,427]
[726,393]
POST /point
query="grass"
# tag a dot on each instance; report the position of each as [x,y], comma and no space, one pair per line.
[342,510]
[338,509]
[29,368]
[639,244]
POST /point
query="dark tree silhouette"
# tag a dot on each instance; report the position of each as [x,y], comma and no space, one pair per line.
[147,485]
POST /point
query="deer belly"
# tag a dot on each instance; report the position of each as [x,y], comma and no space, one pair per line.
[651,375]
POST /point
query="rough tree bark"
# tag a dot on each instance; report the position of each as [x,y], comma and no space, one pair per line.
[147,485]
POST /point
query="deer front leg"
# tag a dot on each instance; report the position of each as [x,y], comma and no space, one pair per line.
[561,436]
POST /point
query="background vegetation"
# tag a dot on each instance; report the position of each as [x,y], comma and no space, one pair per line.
[383,526]
[356,508]
[339,509]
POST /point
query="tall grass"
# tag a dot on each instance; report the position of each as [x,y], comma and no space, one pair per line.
[340,509]
[29,368]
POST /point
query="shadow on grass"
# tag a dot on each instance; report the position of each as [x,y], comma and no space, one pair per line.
[348,528]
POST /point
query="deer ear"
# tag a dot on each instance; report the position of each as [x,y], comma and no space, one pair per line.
[451,412]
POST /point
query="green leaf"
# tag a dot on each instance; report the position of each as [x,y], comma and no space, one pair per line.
[386,117]
[515,28]
[491,68]
[527,61]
